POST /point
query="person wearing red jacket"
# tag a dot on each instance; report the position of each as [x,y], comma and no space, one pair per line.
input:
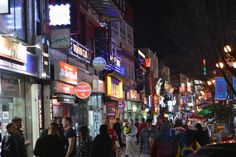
[140,128]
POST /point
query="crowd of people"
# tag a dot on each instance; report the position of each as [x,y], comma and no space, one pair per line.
[134,138]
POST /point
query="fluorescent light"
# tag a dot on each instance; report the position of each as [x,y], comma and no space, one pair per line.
[141,54]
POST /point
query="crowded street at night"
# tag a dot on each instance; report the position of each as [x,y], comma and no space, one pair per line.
[117,78]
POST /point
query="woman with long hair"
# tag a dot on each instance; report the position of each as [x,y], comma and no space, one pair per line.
[85,141]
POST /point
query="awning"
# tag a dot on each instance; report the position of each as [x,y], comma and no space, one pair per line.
[106,8]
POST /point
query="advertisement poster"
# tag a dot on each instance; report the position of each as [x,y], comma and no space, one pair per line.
[111,110]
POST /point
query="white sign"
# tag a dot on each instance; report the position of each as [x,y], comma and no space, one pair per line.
[59,14]
[99,63]
[4,7]
[60,38]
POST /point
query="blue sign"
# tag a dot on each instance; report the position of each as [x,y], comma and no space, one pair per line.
[234,84]
[220,88]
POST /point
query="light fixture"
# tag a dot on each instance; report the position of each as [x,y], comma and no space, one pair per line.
[227,49]
[220,65]
[209,83]
[202,93]
[134,108]
[234,65]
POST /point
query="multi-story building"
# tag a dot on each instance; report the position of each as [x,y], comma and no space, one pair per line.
[24,67]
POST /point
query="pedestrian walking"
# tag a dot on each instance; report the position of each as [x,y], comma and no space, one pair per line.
[130,140]
[118,129]
[50,145]
[70,137]
[85,141]
[10,147]
[164,145]
[102,144]
[140,128]
[146,139]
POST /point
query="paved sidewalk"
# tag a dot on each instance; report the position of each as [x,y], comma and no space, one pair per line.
[136,148]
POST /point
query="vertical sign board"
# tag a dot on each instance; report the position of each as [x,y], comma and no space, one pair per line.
[220,88]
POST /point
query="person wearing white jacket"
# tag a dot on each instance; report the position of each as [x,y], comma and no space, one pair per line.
[130,140]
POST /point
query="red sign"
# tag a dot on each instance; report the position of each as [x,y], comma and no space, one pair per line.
[64,88]
[66,73]
[83,90]
[147,62]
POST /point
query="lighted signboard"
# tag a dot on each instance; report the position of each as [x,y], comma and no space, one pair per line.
[220,88]
[66,73]
[83,90]
[4,7]
[59,14]
[114,88]
[79,51]
[99,63]
[133,95]
[12,51]
[99,86]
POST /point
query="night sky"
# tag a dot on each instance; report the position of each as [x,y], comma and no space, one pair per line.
[184,32]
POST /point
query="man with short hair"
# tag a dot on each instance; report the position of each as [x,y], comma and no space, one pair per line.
[70,135]
[102,144]
[146,138]
[118,130]
[20,139]
[10,147]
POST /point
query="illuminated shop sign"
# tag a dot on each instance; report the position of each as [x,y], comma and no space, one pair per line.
[4,7]
[83,90]
[99,63]
[59,14]
[79,51]
[114,88]
[111,110]
[133,95]
[116,66]
[12,51]
[99,86]
[29,68]
[66,73]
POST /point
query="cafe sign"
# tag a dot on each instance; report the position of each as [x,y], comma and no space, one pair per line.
[83,90]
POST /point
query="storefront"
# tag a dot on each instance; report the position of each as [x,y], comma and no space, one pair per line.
[132,108]
[114,94]
[20,95]
[63,98]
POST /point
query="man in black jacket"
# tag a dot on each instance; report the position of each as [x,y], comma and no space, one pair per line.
[10,147]
[118,129]
[102,144]
[51,144]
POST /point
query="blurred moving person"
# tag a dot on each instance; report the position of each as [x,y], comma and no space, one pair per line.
[50,145]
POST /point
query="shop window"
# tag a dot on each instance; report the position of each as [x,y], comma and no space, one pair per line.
[12,99]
